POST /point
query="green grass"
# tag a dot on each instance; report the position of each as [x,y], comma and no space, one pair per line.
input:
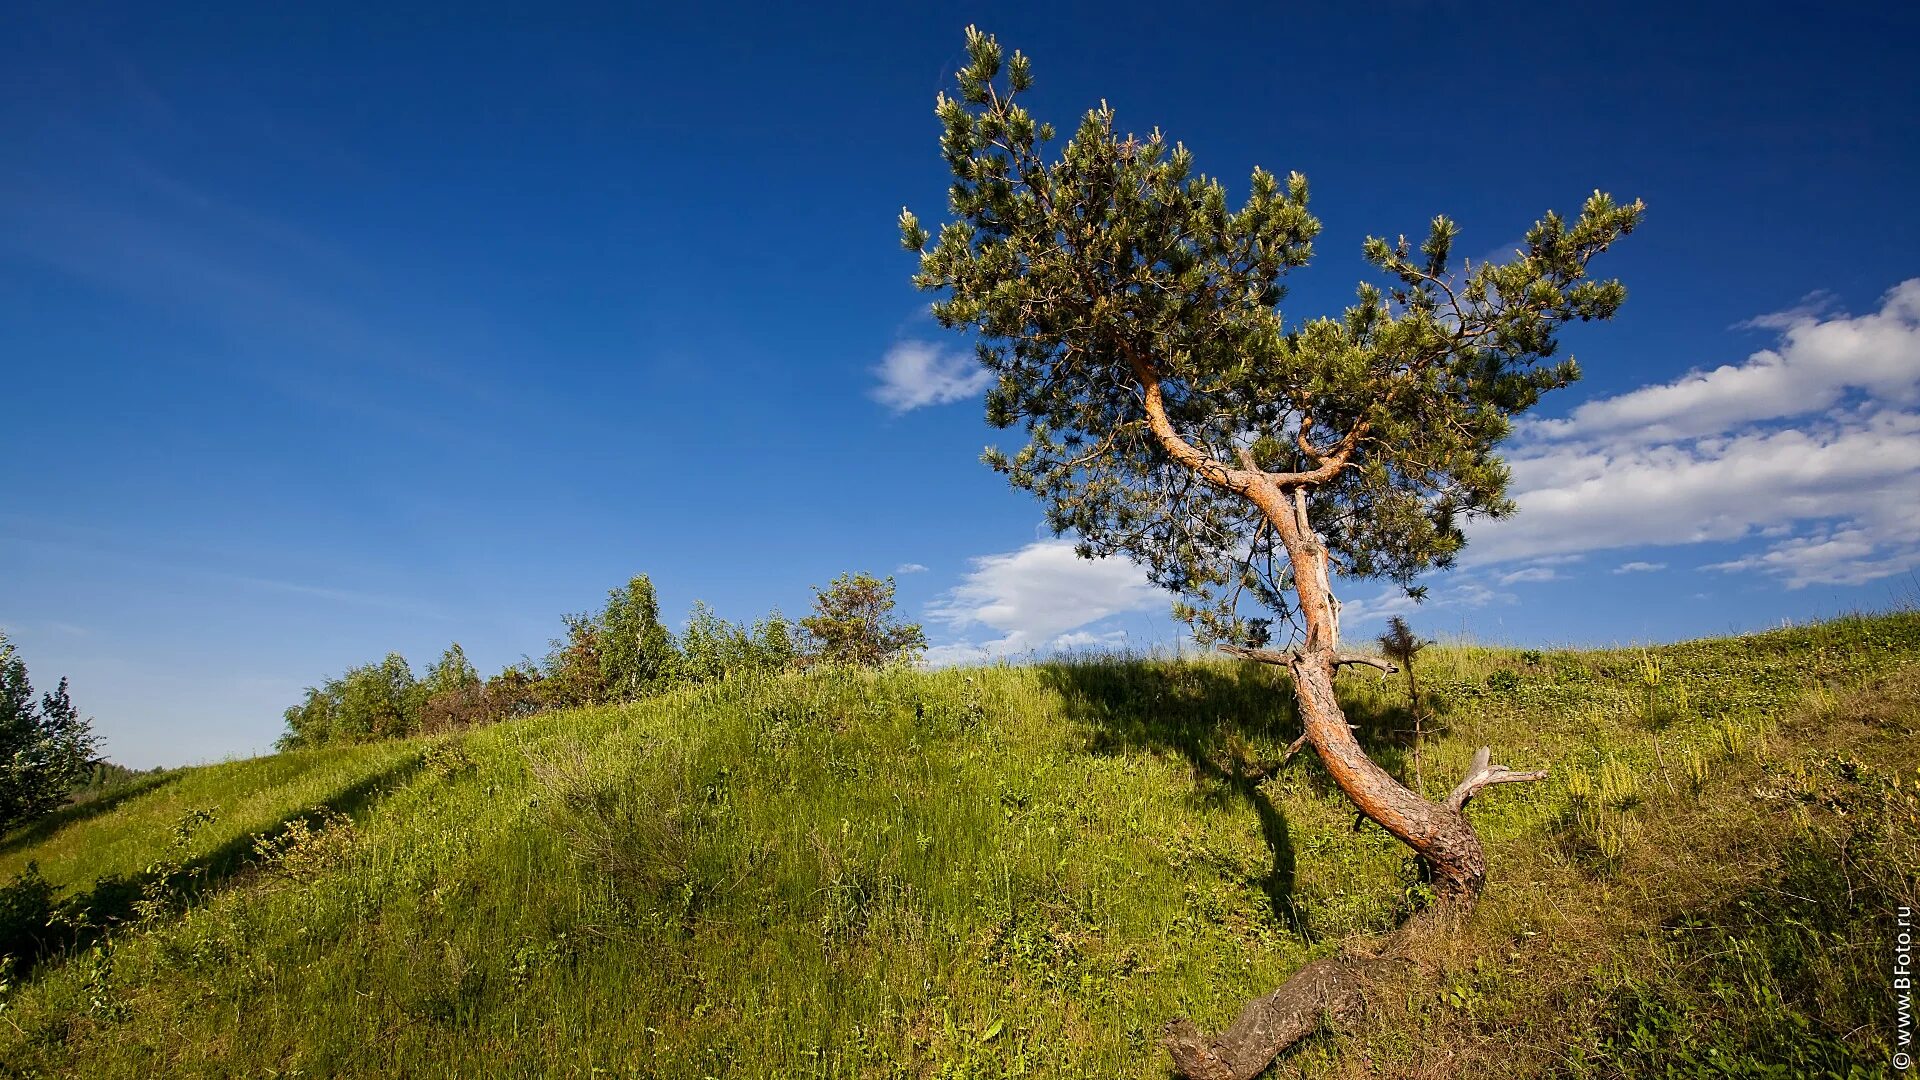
[1006,871]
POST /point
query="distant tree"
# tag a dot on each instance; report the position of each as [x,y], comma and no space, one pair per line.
[314,721]
[1132,320]
[574,675]
[451,694]
[619,653]
[377,701]
[453,671]
[108,776]
[853,623]
[637,652]
[515,692]
[775,643]
[711,648]
[46,749]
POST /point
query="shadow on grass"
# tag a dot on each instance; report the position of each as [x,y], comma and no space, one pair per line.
[35,938]
[31,834]
[1231,722]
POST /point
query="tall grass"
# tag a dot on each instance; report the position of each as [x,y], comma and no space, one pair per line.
[989,872]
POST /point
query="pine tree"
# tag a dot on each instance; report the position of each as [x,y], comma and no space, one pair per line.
[1131,317]
[46,750]
[853,623]
[1401,646]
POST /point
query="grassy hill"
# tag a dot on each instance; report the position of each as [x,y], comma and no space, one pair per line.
[1010,871]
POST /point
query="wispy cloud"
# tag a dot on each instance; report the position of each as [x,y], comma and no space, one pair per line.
[48,626]
[1639,567]
[1087,639]
[1810,308]
[1847,555]
[915,374]
[377,601]
[297,312]
[198,564]
[909,568]
[1447,592]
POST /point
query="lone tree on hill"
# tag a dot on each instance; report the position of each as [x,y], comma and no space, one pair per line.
[1132,320]
[853,623]
[46,749]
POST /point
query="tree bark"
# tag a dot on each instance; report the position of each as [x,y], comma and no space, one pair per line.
[1333,989]
[1439,834]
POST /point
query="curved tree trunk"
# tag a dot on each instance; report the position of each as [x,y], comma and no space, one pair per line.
[1333,989]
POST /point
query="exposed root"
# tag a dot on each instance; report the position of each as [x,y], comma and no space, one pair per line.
[1330,990]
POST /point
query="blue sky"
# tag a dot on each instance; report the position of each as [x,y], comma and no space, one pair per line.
[326,332]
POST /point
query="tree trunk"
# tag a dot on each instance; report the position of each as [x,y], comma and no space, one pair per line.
[1333,989]
[1439,834]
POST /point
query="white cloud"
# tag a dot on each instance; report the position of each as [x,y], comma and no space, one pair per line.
[910,568]
[1844,556]
[1034,598]
[956,653]
[1815,366]
[1803,446]
[1639,567]
[1721,489]
[1087,639]
[1530,574]
[917,373]
[1446,592]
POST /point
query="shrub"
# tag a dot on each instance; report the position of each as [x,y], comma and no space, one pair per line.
[26,905]
[453,709]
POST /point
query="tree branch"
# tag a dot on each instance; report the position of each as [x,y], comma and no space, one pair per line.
[1330,463]
[1265,656]
[1286,659]
[1182,451]
[1293,748]
[1363,660]
[1484,773]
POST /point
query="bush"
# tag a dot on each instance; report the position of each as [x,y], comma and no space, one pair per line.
[451,710]
[516,691]
[26,905]
[713,648]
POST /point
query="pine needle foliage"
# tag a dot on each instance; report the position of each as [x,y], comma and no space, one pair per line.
[853,623]
[1400,643]
[46,748]
[1094,272]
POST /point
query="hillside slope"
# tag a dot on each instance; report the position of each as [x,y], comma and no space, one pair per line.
[1002,871]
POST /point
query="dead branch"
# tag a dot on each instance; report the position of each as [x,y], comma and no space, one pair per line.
[1484,773]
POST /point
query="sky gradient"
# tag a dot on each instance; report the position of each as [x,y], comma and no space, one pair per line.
[335,331]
